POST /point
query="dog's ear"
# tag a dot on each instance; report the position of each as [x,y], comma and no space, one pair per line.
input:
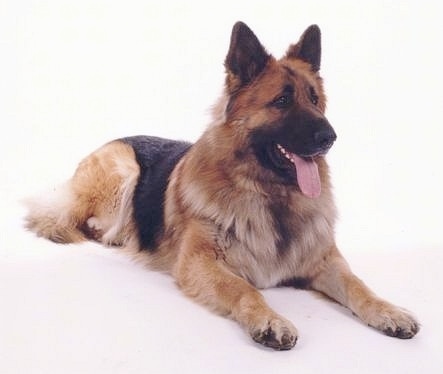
[308,48]
[246,57]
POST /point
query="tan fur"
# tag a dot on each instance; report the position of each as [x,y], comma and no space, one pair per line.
[96,203]
[221,240]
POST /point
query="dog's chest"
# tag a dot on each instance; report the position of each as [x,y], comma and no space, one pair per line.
[275,245]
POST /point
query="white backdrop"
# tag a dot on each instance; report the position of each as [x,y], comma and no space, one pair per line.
[75,74]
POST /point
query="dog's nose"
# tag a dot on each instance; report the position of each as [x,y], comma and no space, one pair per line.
[324,138]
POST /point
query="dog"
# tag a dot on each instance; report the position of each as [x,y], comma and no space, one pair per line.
[246,207]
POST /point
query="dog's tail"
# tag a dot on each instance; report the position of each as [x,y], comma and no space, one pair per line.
[51,215]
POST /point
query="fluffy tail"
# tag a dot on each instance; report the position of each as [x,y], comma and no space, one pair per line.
[52,216]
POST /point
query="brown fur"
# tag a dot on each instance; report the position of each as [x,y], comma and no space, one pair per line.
[231,226]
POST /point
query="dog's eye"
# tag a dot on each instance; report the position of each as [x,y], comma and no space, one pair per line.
[282,102]
[314,96]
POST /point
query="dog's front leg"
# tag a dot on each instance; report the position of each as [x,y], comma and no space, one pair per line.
[336,280]
[203,275]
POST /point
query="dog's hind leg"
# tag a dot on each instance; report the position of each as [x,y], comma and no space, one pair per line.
[203,275]
[96,203]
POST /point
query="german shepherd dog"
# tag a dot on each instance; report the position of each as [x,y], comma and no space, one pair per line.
[248,206]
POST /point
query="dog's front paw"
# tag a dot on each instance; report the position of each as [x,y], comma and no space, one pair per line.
[393,321]
[276,333]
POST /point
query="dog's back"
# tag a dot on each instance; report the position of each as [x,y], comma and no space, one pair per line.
[157,158]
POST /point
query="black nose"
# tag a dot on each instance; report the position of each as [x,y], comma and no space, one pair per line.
[324,138]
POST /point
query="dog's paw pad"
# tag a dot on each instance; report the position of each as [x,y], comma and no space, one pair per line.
[277,334]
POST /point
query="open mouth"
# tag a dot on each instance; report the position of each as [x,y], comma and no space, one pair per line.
[306,169]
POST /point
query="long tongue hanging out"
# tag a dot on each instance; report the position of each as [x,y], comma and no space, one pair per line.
[308,177]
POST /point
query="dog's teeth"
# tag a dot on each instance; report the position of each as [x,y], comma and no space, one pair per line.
[285,152]
[282,150]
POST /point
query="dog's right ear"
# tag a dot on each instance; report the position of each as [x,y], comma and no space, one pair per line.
[246,58]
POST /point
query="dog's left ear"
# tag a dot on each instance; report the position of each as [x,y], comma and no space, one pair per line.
[308,48]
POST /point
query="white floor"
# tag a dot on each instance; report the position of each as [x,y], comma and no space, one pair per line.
[76,74]
[87,309]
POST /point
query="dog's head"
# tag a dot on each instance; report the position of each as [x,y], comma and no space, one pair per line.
[277,106]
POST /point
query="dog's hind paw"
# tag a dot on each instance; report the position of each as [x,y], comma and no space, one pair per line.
[93,229]
[276,333]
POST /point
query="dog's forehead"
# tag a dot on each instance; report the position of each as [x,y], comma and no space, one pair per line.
[298,71]
[294,72]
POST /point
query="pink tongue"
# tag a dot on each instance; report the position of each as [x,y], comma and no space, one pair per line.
[307,176]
